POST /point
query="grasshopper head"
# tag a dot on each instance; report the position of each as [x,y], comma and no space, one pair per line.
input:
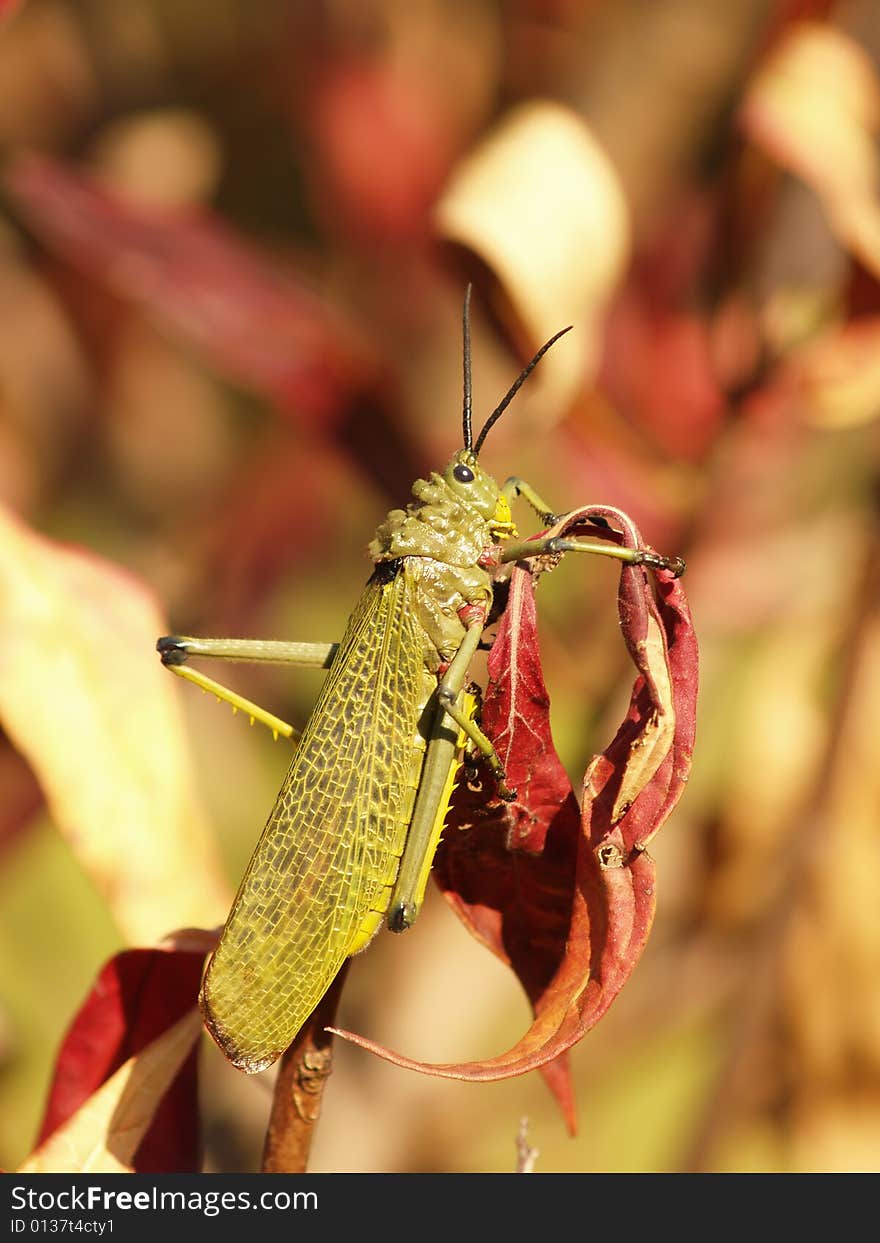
[469,483]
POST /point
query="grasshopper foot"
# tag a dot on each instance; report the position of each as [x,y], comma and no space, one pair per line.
[401,916]
[172,650]
[654,561]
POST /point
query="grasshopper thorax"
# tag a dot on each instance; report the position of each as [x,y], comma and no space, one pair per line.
[452,518]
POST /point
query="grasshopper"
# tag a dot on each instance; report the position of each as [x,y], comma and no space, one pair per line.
[352,836]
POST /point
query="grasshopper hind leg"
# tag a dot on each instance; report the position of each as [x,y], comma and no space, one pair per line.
[176,650]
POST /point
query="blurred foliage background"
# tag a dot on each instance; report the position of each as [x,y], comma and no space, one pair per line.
[234,241]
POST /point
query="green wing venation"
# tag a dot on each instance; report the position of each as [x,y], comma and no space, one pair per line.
[331,840]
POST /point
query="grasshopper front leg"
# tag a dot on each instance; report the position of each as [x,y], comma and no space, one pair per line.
[523,549]
[514,487]
[448,696]
[551,544]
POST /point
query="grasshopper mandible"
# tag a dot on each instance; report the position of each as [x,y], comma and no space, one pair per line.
[355,826]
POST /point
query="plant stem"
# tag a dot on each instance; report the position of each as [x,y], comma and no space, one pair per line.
[299,1089]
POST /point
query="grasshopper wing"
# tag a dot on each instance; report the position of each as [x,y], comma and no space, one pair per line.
[332,844]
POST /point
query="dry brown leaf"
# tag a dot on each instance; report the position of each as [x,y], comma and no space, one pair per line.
[85,699]
[103,1135]
[814,106]
[540,204]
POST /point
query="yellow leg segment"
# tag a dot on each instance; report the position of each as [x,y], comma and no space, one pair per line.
[238,702]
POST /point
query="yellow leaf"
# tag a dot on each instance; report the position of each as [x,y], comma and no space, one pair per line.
[85,699]
[540,203]
[814,106]
[104,1134]
[839,374]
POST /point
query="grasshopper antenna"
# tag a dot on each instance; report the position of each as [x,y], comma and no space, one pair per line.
[468,396]
[514,389]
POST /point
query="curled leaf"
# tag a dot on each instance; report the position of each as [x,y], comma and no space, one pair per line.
[566,897]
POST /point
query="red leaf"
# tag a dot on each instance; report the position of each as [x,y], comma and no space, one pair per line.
[263,330]
[567,899]
[659,371]
[255,326]
[508,869]
[383,148]
[137,996]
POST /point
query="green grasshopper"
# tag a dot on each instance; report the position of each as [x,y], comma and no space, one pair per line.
[355,826]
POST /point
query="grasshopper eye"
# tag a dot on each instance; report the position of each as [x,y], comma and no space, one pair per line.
[463,474]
